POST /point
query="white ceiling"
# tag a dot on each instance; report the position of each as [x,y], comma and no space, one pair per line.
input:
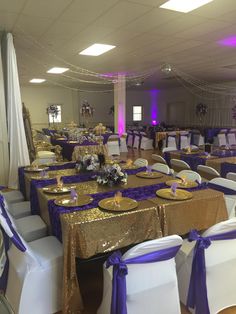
[49,32]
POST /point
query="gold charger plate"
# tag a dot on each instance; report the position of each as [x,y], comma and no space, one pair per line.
[189,184]
[39,169]
[55,190]
[181,195]
[149,175]
[129,167]
[67,202]
[61,139]
[126,204]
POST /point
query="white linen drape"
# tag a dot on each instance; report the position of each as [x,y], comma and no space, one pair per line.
[4,153]
[19,155]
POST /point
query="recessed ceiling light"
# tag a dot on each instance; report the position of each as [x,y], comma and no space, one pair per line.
[96,50]
[57,70]
[37,80]
[184,5]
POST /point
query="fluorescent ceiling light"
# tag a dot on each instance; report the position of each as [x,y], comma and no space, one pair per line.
[96,50]
[57,70]
[184,5]
[37,80]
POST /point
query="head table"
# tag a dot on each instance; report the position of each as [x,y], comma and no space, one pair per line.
[87,230]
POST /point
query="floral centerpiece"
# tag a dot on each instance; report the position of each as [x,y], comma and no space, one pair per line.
[112,175]
[87,163]
[53,111]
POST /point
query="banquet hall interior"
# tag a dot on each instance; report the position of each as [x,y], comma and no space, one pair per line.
[118,156]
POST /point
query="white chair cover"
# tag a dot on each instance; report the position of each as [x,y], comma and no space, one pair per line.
[147,284]
[178,165]
[123,145]
[190,175]
[140,162]
[231,176]
[229,199]
[113,145]
[158,158]
[231,138]
[207,172]
[220,260]
[161,167]
[146,143]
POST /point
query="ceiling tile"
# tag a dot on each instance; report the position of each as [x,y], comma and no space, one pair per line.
[13,6]
[45,8]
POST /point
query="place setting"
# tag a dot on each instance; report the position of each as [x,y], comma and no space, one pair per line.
[73,200]
[182,183]
[173,193]
[129,165]
[149,174]
[59,188]
[118,203]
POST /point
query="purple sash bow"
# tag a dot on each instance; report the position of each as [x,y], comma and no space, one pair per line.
[120,270]
[222,189]
[197,293]
[15,240]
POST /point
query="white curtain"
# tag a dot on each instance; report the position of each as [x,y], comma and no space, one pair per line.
[4,153]
[19,155]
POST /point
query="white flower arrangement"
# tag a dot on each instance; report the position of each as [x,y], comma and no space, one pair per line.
[112,175]
[87,163]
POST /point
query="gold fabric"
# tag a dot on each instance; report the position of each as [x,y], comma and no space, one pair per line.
[87,233]
[216,163]
[90,149]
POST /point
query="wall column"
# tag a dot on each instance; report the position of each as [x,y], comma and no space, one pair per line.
[120,105]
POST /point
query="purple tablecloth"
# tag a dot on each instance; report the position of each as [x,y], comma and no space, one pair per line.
[68,148]
[227,167]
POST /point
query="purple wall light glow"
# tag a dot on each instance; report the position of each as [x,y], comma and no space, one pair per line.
[228,41]
[154,106]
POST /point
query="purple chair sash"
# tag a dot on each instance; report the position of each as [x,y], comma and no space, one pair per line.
[197,293]
[120,270]
[15,240]
[220,188]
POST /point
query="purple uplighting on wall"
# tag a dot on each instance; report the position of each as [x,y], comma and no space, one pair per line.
[154,106]
[228,41]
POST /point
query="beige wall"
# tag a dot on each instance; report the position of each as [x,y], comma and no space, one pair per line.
[38,98]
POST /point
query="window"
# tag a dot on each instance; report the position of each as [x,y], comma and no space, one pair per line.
[54,114]
[137,113]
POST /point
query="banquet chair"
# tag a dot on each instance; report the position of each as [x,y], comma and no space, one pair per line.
[189,175]
[177,165]
[14,196]
[161,167]
[168,149]
[231,176]
[141,162]
[146,143]
[230,198]
[220,270]
[231,138]
[184,139]
[148,283]
[35,273]
[207,173]
[158,158]
[16,205]
[137,140]
[130,139]
[30,228]
[220,139]
[123,145]
[171,140]
[112,145]
[198,139]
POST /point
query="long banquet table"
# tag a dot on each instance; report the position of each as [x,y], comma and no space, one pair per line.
[88,231]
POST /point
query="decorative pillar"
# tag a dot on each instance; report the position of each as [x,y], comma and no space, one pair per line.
[120,105]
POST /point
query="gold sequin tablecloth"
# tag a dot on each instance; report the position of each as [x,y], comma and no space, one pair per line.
[90,149]
[216,163]
[87,233]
